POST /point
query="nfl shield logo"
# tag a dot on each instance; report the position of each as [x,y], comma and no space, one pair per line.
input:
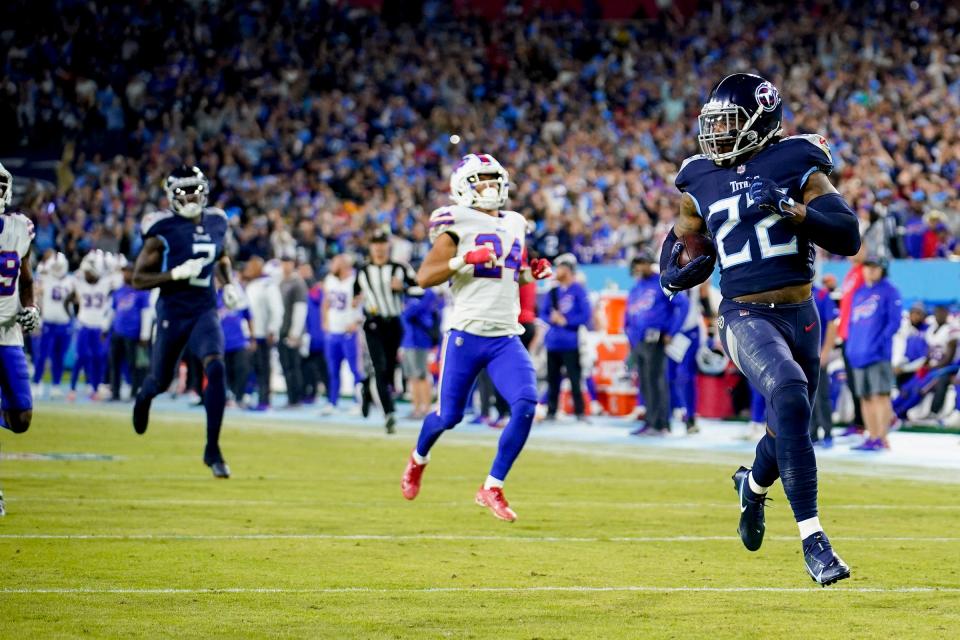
[744,312]
[742,169]
[458,341]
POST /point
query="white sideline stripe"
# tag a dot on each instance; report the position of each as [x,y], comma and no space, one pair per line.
[434,537]
[570,589]
[455,503]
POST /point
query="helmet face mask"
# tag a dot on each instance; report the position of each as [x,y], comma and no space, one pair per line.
[58,266]
[480,182]
[743,114]
[187,189]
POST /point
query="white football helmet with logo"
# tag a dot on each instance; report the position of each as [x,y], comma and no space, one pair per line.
[468,190]
[6,188]
[93,263]
[58,266]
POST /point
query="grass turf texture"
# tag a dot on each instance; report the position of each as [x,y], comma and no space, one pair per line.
[247,557]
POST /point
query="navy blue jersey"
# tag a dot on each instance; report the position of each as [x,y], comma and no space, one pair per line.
[757,250]
[184,239]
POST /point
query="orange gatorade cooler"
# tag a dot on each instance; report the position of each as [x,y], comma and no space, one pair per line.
[611,311]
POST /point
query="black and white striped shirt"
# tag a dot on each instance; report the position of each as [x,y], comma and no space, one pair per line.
[379,298]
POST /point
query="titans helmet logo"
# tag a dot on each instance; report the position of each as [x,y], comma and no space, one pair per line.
[767,96]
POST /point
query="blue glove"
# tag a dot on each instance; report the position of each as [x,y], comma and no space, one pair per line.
[673,278]
[769,197]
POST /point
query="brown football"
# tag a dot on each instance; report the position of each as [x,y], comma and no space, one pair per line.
[694,246]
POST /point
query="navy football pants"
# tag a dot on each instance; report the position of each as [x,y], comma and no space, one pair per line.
[778,349]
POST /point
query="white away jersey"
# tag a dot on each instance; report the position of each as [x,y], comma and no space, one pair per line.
[95,302]
[486,299]
[16,234]
[55,292]
[339,296]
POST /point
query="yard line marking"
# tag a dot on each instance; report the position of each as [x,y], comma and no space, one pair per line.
[535,589]
[456,503]
[433,537]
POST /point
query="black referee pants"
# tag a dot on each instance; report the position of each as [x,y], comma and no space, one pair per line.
[383,343]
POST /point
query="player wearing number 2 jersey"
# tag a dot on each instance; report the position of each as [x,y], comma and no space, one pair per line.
[181,250]
[746,189]
[478,248]
[18,315]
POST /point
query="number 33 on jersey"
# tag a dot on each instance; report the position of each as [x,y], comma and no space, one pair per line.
[486,294]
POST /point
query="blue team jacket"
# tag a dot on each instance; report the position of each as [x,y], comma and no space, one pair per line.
[314,321]
[572,302]
[418,318]
[827,309]
[231,321]
[128,306]
[874,319]
[649,308]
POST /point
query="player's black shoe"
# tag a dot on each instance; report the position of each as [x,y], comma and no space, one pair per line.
[752,523]
[219,469]
[823,565]
[141,415]
[391,424]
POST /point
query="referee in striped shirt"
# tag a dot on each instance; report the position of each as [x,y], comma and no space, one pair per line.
[382,283]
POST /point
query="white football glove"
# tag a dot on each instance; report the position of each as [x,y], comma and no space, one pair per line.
[189,269]
[29,319]
[232,296]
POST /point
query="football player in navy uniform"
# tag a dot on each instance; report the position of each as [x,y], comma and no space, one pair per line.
[182,249]
[766,200]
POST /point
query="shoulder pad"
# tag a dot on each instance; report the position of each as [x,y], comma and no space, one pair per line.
[815,148]
[27,225]
[441,221]
[215,211]
[687,167]
[149,221]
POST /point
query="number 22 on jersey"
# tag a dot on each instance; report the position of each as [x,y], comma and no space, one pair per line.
[513,259]
[768,249]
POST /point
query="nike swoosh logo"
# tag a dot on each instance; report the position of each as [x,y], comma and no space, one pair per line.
[812,325]
[743,507]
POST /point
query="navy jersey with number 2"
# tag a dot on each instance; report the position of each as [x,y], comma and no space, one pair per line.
[757,250]
[184,239]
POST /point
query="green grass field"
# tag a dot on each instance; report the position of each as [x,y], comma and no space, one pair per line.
[312,539]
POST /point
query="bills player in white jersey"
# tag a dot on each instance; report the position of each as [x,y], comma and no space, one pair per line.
[92,290]
[341,317]
[478,248]
[18,315]
[54,286]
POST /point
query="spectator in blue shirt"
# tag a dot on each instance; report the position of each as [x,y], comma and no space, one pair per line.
[652,320]
[130,330]
[821,418]
[312,350]
[421,333]
[564,311]
[238,345]
[874,320]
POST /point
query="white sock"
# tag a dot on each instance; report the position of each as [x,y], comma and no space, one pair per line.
[419,459]
[809,527]
[754,486]
[492,482]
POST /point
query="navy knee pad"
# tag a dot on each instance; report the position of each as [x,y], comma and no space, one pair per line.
[791,405]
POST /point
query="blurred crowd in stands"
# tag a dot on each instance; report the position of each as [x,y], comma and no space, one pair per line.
[323,121]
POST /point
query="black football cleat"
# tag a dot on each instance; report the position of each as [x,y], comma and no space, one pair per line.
[391,424]
[219,469]
[823,565]
[141,415]
[752,522]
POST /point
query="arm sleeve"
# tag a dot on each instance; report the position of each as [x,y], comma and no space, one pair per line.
[832,224]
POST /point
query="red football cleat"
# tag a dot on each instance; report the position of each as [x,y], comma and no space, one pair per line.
[412,475]
[493,499]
